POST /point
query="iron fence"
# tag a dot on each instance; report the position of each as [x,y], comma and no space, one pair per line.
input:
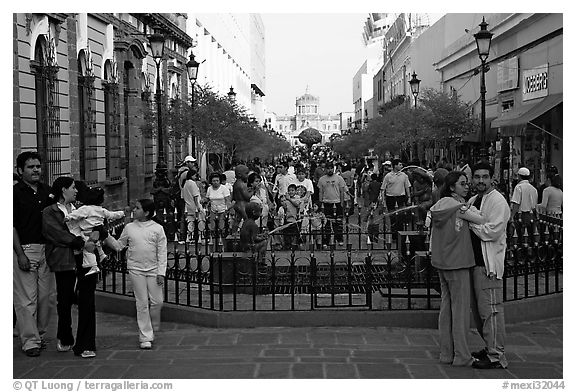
[372,270]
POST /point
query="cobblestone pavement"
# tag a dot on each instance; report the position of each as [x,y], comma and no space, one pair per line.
[184,351]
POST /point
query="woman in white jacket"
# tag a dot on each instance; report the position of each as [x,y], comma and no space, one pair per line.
[147,258]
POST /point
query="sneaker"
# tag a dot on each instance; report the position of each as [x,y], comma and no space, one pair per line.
[33,352]
[62,348]
[480,355]
[93,270]
[487,364]
[88,354]
[146,345]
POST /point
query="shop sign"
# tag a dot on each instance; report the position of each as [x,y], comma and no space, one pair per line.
[535,83]
[507,74]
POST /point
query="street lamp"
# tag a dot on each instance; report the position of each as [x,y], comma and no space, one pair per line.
[231,94]
[483,39]
[157,47]
[192,67]
[415,87]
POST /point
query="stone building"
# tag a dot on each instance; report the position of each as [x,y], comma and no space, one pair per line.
[307,116]
[80,82]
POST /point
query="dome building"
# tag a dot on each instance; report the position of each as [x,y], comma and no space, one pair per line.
[307,116]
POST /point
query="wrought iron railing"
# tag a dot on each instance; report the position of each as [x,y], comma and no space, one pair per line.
[210,271]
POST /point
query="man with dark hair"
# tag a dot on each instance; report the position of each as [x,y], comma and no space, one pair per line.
[489,246]
[33,283]
[331,188]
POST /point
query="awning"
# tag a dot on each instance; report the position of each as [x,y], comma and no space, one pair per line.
[475,137]
[513,122]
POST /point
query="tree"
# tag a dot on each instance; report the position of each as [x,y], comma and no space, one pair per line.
[309,137]
[401,128]
[219,124]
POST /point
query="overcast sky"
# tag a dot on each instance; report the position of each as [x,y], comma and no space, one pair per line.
[321,51]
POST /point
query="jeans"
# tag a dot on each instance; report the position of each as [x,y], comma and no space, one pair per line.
[454,318]
[488,312]
[394,203]
[149,300]
[334,215]
[34,296]
[86,332]
[65,281]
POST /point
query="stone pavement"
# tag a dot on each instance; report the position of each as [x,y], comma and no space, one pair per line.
[184,351]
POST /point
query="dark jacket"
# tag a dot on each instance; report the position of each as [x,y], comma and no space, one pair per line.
[60,243]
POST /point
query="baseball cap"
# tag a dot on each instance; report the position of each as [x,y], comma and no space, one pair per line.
[189,158]
[523,171]
[388,163]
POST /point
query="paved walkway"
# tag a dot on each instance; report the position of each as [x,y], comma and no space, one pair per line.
[183,351]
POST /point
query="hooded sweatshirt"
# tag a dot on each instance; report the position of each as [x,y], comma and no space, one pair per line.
[450,239]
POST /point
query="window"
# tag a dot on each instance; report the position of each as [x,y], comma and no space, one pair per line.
[507,105]
[111,123]
[47,110]
[87,108]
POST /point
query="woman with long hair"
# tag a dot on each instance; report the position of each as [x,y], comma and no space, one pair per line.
[453,256]
[64,256]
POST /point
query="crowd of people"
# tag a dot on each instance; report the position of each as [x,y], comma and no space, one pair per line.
[59,234]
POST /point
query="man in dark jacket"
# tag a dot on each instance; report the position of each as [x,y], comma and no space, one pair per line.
[33,283]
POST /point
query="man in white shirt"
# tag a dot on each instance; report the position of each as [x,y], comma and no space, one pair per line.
[194,210]
[395,191]
[489,247]
[524,200]
[283,179]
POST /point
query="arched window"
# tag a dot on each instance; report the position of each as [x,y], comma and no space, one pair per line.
[87,110]
[112,122]
[47,110]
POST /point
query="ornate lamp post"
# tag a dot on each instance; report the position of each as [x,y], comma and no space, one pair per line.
[192,67]
[231,94]
[415,87]
[483,40]
[157,47]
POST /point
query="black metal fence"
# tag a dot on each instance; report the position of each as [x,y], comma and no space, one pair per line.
[372,269]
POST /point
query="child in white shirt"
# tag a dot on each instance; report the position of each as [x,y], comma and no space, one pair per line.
[87,219]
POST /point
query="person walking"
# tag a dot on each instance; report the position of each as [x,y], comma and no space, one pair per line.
[524,200]
[453,256]
[331,188]
[33,283]
[395,192]
[552,197]
[489,246]
[146,260]
[64,256]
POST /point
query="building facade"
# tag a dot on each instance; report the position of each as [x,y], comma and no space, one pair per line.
[307,115]
[524,89]
[231,48]
[81,82]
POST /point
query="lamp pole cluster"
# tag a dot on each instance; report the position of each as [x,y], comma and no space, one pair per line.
[192,68]
[157,42]
[415,88]
[157,47]
[483,39]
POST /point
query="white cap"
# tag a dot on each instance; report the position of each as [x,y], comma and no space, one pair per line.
[189,158]
[388,163]
[523,171]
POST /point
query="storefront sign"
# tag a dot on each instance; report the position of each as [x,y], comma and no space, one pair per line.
[507,74]
[535,83]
